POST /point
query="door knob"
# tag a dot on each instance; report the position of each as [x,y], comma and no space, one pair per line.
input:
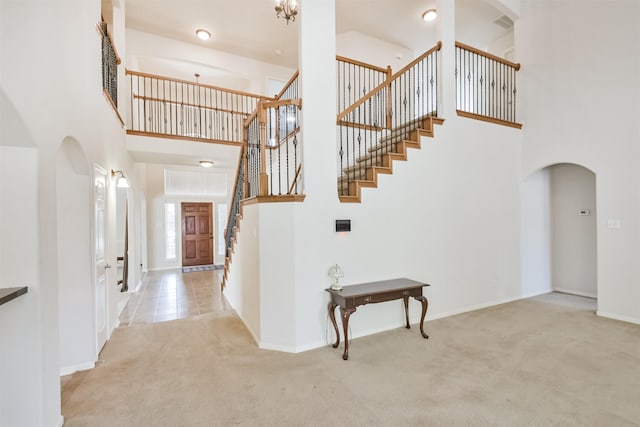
[107,266]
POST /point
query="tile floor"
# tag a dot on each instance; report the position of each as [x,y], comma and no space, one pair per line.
[171,294]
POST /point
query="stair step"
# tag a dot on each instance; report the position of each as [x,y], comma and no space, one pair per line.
[349,199]
[396,147]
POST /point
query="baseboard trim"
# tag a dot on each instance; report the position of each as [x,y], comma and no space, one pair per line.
[68,370]
[165,269]
[485,305]
[578,293]
[618,317]
[278,347]
[246,325]
[60,421]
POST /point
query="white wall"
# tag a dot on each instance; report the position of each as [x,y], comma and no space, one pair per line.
[73,106]
[364,48]
[21,356]
[535,232]
[580,93]
[76,296]
[243,290]
[574,248]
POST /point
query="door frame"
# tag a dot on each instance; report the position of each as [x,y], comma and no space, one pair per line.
[101,336]
[212,231]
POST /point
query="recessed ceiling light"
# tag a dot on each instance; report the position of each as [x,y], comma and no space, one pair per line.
[429,15]
[206,163]
[203,34]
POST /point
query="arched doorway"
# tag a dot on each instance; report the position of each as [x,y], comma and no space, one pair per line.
[559,232]
[573,230]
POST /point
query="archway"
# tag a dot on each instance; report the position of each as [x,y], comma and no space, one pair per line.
[559,240]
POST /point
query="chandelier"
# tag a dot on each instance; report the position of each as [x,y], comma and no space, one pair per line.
[287,9]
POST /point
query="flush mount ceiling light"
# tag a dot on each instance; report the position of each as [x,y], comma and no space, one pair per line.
[287,9]
[206,163]
[121,180]
[203,34]
[429,15]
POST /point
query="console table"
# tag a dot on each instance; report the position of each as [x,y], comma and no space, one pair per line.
[8,294]
[350,297]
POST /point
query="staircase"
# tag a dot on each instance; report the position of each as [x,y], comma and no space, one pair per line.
[379,158]
[383,124]
[230,249]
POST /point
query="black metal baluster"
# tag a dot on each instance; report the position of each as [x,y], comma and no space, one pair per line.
[271,153]
[286,141]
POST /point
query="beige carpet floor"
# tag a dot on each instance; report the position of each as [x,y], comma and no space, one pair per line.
[533,362]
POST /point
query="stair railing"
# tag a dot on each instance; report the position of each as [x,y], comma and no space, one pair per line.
[270,156]
[290,89]
[485,85]
[273,149]
[166,107]
[387,114]
[356,79]
[238,195]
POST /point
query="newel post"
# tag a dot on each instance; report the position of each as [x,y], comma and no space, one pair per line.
[263,177]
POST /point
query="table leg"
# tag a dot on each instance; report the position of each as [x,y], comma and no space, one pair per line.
[345,326]
[332,316]
[425,304]
[406,310]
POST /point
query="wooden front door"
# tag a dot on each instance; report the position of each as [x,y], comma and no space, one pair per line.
[197,234]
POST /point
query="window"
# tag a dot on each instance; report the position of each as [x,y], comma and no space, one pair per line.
[222,220]
[170,230]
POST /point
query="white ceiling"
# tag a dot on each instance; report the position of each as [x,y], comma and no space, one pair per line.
[250,28]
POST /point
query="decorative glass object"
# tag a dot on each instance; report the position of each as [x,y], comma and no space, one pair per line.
[335,272]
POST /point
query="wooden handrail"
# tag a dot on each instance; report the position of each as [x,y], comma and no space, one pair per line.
[397,74]
[295,178]
[514,65]
[273,104]
[231,91]
[360,126]
[285,139]
[113,105]
[361,64]
[286,86]
[252,116]
[188,104]
[362,100]
[387,82]
[113,46]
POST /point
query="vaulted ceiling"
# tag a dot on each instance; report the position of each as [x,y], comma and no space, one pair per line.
[250,28]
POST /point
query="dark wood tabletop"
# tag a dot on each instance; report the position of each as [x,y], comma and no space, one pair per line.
[8,294]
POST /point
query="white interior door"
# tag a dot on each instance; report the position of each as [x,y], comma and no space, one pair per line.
[100,201]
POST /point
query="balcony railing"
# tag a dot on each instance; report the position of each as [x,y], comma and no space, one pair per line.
[161,106]
[110,62]
[485,85]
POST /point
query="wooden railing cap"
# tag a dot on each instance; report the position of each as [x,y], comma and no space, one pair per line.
[488,55]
